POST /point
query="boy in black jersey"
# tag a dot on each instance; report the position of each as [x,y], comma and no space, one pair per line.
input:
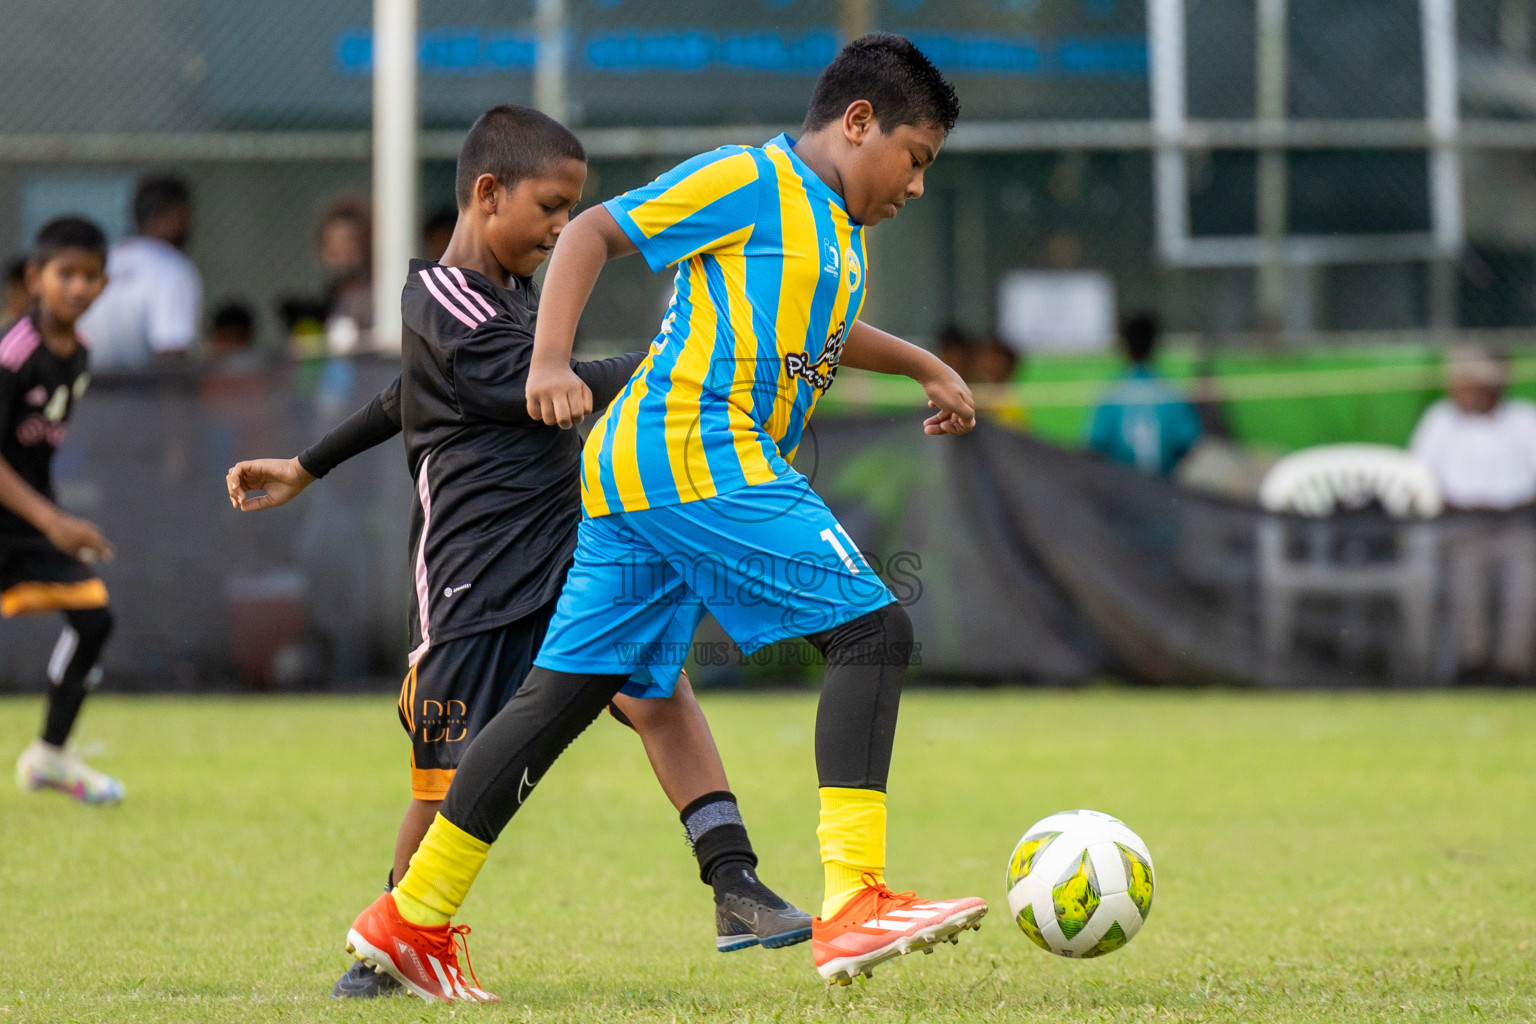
[44,551]
[493,527]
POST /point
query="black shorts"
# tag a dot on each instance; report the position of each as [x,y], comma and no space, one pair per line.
[40,578]
[456,688]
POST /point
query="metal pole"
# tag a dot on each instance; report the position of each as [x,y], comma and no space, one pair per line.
[1272,185]
[395,124]
[1442,116]
[549,83]
[1165,34]
[855,17]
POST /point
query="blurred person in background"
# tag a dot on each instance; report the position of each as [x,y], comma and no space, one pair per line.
[1481,449]
[955,350]
[232,339]
[1142,421]
[233,386]
[437,232]
[346,259]
[993,366]
[17,298]
[150,313]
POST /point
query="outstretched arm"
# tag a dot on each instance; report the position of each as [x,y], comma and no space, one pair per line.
[556,394]
[285,479]
[869,348]
[370,426]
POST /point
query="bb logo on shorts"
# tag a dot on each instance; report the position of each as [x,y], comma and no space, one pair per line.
[443,722]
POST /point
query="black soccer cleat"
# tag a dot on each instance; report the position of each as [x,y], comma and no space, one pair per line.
[362,982]
[750,914]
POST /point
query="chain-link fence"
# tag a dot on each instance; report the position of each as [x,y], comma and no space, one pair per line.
[1321,131]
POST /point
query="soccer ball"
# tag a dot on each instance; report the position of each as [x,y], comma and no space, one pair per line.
[1080,883]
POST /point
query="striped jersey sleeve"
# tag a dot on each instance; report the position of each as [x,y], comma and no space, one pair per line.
[704,204]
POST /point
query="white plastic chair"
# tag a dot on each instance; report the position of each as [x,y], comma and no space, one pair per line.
[1317,483]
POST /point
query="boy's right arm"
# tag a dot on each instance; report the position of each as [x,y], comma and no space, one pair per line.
[285,479]
[704,204]
[75,537]
[556,394]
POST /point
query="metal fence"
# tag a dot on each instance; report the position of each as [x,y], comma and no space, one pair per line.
[1250,167]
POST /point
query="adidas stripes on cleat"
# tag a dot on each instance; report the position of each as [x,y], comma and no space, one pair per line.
[424,960]
[879,925]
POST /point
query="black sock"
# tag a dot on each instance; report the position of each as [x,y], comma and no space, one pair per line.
[720,843]
[72,670]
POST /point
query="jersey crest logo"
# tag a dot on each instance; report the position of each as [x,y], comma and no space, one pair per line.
[37,397]
[829,251]
[823,371]
[855,271]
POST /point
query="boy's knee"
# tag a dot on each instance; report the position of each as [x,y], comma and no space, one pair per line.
[883,636]
[640,713]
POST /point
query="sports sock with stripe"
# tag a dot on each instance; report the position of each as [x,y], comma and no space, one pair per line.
[720,843]
[852,834]
[442,870]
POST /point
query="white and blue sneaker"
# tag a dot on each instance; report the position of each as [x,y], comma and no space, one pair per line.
[44,766]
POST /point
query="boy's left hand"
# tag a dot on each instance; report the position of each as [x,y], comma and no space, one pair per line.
[952,397]
[281,479]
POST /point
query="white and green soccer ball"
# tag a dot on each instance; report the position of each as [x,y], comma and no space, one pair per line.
[1080,883]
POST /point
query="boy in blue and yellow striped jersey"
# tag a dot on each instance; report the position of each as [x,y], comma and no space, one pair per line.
[689,494]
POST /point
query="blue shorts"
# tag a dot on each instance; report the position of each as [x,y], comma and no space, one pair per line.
[768,561]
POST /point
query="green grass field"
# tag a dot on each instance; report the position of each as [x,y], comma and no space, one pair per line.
[1319,859]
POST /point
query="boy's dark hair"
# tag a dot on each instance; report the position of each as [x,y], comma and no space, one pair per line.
[511,143]
[893,75]
[155,195]
[16,271]
[1139,336]
[63,233]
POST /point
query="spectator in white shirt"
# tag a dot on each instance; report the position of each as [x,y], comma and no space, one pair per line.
[1481,448]
[151,309]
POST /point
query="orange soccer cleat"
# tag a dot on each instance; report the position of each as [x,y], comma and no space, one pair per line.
[878,925]
[424,960]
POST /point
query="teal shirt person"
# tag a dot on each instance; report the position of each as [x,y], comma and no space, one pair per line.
[1144,422]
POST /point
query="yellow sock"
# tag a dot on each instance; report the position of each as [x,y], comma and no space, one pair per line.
[852,834]
[442,869]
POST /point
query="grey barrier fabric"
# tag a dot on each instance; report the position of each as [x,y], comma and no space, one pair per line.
[300,596]
[1018,561]
[1039,564]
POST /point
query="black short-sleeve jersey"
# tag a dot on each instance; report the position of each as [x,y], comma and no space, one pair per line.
[38,391]
[497,492]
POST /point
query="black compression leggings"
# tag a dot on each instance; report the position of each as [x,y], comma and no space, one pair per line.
[855,722]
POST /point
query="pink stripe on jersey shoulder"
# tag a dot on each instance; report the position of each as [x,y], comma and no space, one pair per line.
[426,279]
[458,275]
[18,344]
[458,296]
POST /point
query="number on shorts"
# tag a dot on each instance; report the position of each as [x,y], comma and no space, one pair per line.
[846,554]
